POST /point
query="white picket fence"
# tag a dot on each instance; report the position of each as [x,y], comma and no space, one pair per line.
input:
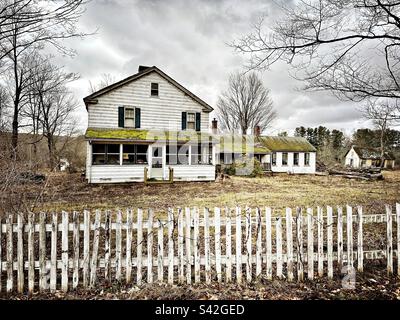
[189,246]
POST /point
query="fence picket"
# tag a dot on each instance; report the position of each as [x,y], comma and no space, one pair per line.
[1,241]
[329,231]
[228,243]
[207,245]
[42,251]
[217,235]
[268,242]
[171,225]
[10,253]
[64,254]
[258,243]
[248,246]
[150,221]
[349,213]
[160,251]
[310,244]
[389,235]
[31,252]
[238,245]
[289,244]
[139,247]
[320,221]
[188,246]
[398,238]
[299,241]
[340,238]
[20,254]
[107,244]
[279,258]
[53,254]
[86,248]
[181,263]
[75,246]
[128,258]
[118,246]
[95,249]
[196,246]
[360,250]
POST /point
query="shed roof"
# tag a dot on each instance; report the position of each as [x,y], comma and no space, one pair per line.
[372,153]
[275,143]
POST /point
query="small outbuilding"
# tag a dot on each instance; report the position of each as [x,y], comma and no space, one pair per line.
[364,157]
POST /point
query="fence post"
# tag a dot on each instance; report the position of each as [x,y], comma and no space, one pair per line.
[53,268]
[42,251]
[188,246]
[329,223]
[248,245]
[160,252]
[86,247]
[207,245]
[340,238]
[238,245]
[181,270]
[150,246]
[107,243]
[398,238]
[299,225]
[171,225]
[128,269]
[360,251]
[75,245]
[31,252]
[320,215]
[10,253]
[349,212]
[278,228]
[289,244]
[1,263]
[196,245]
[268,240]
[139,246]
[95,249]
[258,243]
[389,246]
[118,245]
[20,254]
[64,254]
[217,234]
[228,240]
[310,244]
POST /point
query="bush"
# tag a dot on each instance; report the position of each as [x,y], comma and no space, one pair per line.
[245,166]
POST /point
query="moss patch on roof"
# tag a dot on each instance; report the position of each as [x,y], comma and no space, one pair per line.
[372,153]
[286,143]
[242,144]
[147,135]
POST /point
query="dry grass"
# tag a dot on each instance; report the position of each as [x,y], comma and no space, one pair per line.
[69,192]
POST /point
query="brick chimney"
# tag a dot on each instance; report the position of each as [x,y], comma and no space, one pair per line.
[257,131]
[142,68]
[214,126]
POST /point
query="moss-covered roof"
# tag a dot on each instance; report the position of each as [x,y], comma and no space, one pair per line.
[237,144]
[372,153]
[147,135]
[286,143]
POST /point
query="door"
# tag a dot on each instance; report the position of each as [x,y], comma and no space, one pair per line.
[156,171]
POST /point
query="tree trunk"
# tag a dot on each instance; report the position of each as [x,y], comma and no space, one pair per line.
[51,147]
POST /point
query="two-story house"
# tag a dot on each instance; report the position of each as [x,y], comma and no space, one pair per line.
[148,125]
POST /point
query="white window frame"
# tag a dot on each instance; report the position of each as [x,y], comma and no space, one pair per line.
[187,120]
[133,118]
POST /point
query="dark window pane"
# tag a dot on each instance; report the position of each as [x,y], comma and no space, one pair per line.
[113,159]
[113,148]
[99,148]
[142,148]
[284,158]
[129,148]
[99,159]
[157,151]
[129,159]
[141,159]
[154,89]
[296,159]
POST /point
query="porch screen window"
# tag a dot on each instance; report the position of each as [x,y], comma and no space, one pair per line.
[201,154]
[130,117]
[134,154]
[307,159]
[177,154]
[157,157]
[154,89]
[296,159]
[191,121]
[273,161]
[105,153]
[284,158]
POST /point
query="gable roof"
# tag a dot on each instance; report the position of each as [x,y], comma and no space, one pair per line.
[275,143]
[145,71]
[371,153]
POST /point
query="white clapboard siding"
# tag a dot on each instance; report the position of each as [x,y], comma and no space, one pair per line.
[50,246]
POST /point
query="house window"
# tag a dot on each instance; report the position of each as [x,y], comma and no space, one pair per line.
[296,159]
[129,117]
[134,154]
[306,159]
[201,154]
[273,161]
[178,154]
[191,121]
[284,158]
[105,153]
[154,89]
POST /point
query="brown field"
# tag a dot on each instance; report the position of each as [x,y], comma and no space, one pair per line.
[69,192]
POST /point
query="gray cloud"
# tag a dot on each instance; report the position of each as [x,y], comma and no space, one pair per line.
[188,40]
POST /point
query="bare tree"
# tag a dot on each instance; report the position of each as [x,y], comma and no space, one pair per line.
[246,104]
[4,109]
[106,79]
[27,26]
[350,47]
[383,115]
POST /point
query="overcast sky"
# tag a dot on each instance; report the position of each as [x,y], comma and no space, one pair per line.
[188,40]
